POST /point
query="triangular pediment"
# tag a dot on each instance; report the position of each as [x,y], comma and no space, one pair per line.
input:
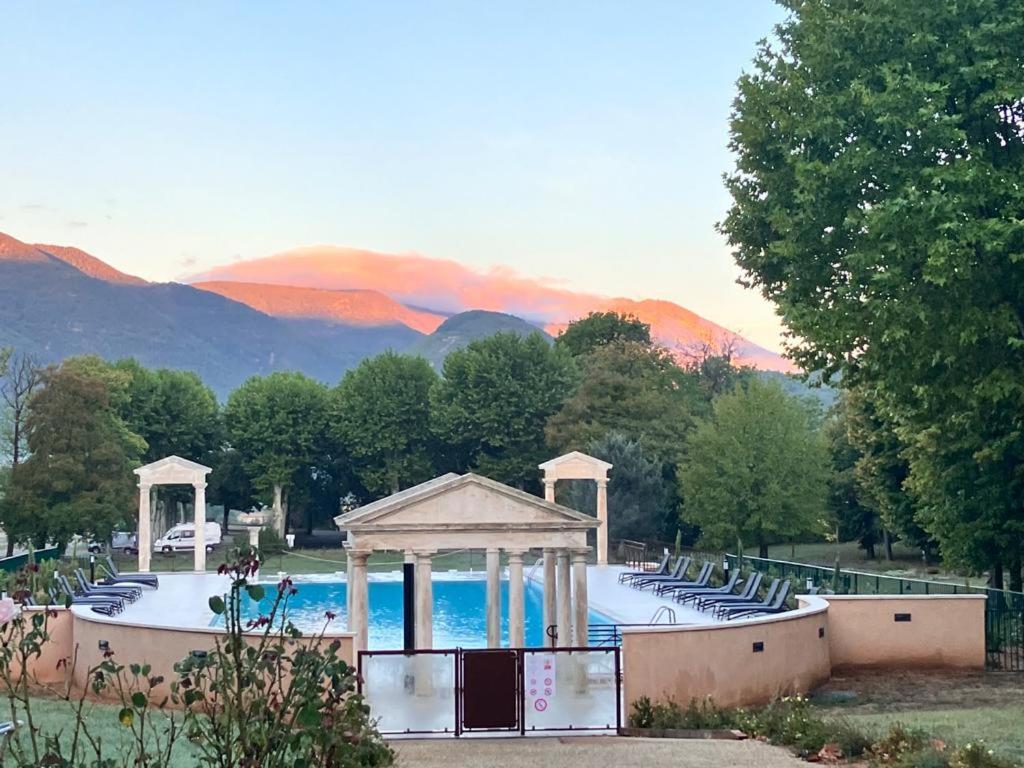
[458,501]
[173,470]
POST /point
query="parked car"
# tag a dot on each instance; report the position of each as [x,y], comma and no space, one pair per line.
[183,538]
[121,541]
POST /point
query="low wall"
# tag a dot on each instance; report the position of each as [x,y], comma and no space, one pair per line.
[160,647]
[907,631]
[736,663]
[48,668]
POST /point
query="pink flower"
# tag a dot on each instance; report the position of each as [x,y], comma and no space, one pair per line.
[7,610]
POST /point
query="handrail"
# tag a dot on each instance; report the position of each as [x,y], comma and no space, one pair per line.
[533,569]
[664,611]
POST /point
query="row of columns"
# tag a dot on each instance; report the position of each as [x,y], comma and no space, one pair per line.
[602,514]
[146,529]
[565,605]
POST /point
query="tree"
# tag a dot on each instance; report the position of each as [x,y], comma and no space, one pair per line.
[277,424]
[756,471]
[877,201]
[855,518]
[581,337]
[637,497]
[20,377]
[78,476]
[491,406]
[631,388]
[380,413]
[714,366]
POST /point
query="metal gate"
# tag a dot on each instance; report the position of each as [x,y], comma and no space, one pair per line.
[514,691]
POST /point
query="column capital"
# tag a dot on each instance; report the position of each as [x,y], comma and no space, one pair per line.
[515,555]
[549,550]
[424,554]
[493,551]
[579,554]
[602,482]
[144,486]
[199,486]
[359,556]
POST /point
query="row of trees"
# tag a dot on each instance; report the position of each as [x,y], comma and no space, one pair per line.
[742,460]
[877,201]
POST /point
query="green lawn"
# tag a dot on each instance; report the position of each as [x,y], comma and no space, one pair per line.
[1001,728]
[54,717]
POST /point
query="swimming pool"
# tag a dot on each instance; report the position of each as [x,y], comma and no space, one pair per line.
[459,611]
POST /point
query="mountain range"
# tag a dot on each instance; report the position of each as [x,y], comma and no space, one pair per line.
[317,310]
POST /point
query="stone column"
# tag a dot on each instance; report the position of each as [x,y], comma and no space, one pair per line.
[199,516]
[424,601]
[358,599]
[493,598]
[516,604]
[602,516]
[145,530]
[564,600]
[550,603]
[347,546]
[549,490]
[581,606]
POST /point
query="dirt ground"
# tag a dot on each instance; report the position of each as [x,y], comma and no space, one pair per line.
[878,691]
[589,751]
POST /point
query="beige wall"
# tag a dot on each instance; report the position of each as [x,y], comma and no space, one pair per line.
[943,631]
[47,667]
[159,647]
[719,661]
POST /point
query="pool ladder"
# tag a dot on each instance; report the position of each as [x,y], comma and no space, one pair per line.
[533,569]
[665,611]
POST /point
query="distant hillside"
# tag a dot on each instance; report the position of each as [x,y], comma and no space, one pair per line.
[459,330]
[52,310]
[355,307]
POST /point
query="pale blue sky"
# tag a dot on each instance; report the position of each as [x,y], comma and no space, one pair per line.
[584,141]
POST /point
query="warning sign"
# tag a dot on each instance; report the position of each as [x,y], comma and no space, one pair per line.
[540,679]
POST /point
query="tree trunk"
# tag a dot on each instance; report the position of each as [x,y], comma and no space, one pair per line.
[1015,576]
[996,578]
[762,550]
[887,540]
[869,549]
[279,509]
[10,546]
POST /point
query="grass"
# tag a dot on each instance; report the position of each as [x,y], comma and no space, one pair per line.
[999,727]
[55,717]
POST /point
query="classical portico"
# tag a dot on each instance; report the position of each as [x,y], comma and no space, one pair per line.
[580,466]
[172,470]
[471,512]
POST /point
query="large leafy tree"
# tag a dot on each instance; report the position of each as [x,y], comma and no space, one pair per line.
[380,414]
[78,476]
[583,336]
[854,517]
[638,501]
[491,406]
[20,377]
[277,424]
[756,472]
[877,200]
[634,389]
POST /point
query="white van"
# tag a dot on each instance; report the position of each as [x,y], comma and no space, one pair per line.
[183,537]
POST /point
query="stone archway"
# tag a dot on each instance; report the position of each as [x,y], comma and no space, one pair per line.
[172,470]
[580,466]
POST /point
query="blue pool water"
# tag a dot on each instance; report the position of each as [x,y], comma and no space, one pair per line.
[459,611]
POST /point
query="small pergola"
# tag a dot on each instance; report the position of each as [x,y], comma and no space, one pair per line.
[172,470]
[579,466]
[467,512]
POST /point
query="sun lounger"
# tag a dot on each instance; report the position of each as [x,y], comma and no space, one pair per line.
[778,605]
[662,569]
[129,593]
[689,594]
[746,595]
[664,586]
[105,606]
[678,573]
[115,574]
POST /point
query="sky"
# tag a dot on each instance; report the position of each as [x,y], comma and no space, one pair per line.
[581,142]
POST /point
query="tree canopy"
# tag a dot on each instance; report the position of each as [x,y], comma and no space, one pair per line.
[877,200]
[493,401]
[583,336]
[755,472]
[380,414]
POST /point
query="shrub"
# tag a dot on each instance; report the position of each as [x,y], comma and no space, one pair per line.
[271,542]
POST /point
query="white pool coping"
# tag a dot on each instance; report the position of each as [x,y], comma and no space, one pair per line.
[182,601]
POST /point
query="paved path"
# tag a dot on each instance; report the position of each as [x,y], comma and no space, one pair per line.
[590,751]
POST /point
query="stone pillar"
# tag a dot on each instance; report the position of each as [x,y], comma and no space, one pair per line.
[358,599]
[254,536]
[549,490]
[581,606]
[516,604]
[602,516]
[347,546]
[199,516]
[493,598]
[145,529]
[564,600]
[424,601]
[550,602]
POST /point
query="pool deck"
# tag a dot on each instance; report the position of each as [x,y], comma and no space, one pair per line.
[181,602]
